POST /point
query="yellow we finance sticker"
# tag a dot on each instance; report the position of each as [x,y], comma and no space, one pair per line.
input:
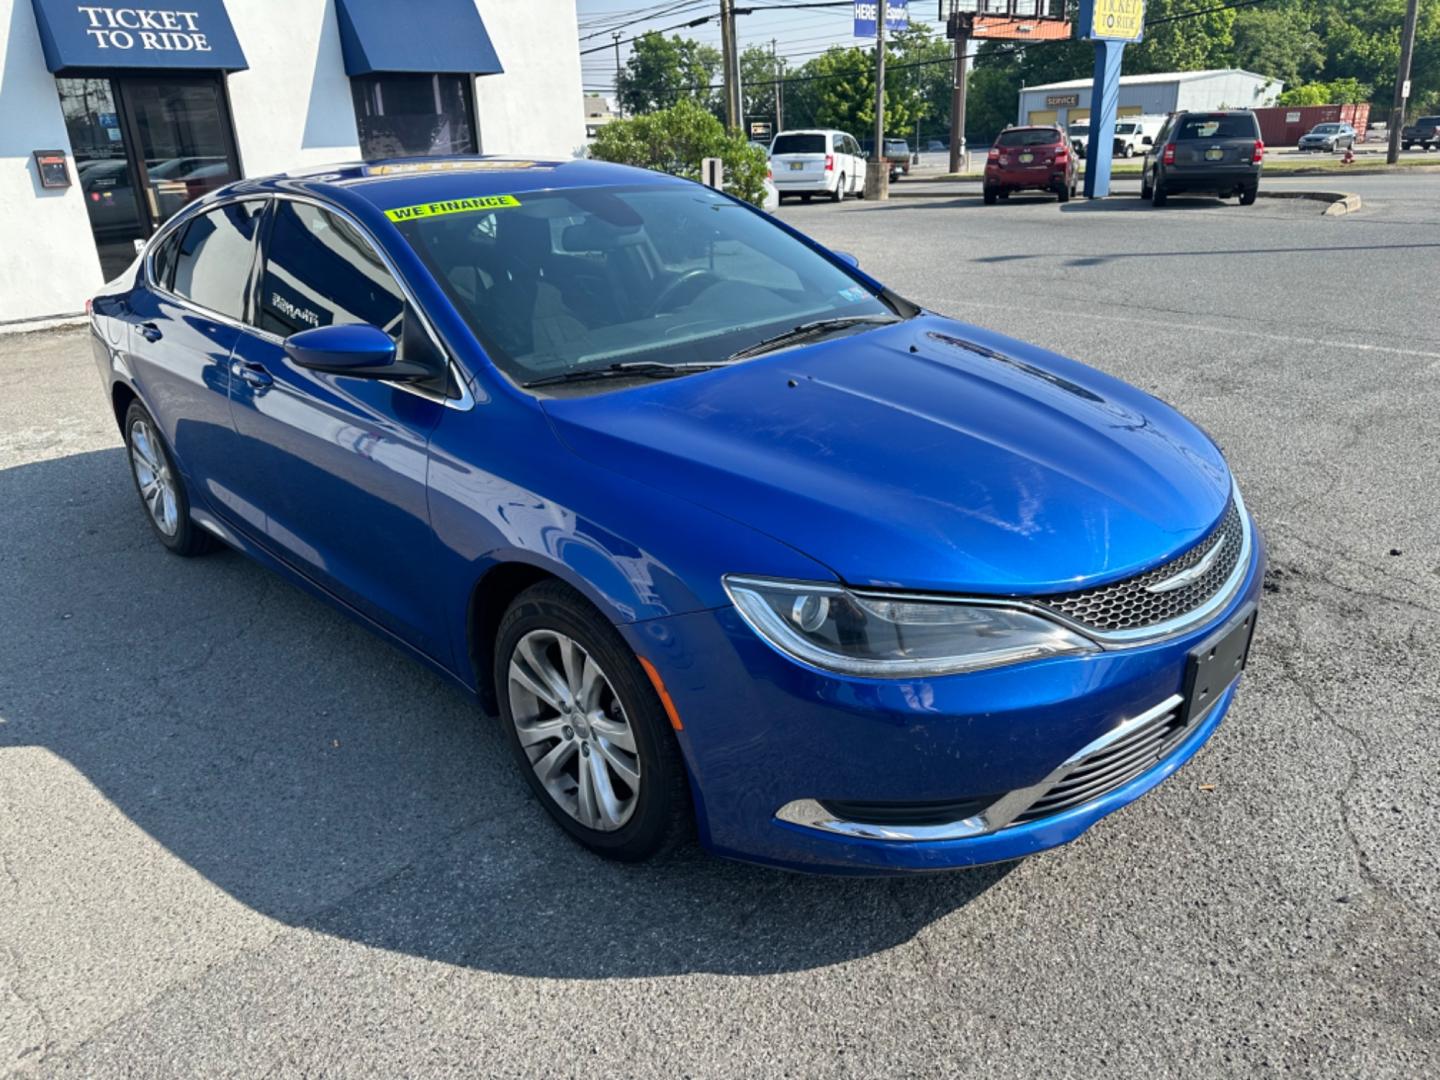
[452,206]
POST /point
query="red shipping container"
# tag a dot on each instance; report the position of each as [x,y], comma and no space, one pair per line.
[1283,125]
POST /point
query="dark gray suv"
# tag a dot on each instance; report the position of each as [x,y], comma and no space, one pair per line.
[1212,153]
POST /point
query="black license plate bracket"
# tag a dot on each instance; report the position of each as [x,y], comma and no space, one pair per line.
[1217,662]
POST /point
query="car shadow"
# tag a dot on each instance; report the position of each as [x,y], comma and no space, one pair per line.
[322,778]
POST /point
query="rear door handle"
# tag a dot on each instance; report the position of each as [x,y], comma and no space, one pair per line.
[150,332]
[253,374]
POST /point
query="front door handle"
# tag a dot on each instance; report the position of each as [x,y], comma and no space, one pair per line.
[150,332]
[253,374]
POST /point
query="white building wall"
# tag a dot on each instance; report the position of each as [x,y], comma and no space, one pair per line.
[48,264]
[293,107]
[537,105]
[1228,89]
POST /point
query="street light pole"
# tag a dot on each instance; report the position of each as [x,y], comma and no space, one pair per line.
[1402,82]
[619,105]
[877,177]
[961,22]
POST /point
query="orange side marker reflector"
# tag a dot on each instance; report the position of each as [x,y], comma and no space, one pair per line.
[664,694]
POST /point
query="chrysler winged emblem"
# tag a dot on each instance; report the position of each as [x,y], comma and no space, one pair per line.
[1190,574]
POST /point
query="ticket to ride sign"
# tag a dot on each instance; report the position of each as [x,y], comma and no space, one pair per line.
[1112,20]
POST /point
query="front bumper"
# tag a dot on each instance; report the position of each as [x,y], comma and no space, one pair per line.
[762,733]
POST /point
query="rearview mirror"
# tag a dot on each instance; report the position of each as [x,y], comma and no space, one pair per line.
[847,257]
[355,349]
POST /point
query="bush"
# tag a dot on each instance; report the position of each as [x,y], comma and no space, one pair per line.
[676,140]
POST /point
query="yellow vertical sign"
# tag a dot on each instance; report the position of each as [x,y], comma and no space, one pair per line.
[1121,20]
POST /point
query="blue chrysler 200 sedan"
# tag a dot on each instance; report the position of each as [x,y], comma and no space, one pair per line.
[732,537]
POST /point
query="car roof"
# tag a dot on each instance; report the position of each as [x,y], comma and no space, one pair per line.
[396,182]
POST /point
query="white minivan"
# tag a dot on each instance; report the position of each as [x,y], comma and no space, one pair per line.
[817,161]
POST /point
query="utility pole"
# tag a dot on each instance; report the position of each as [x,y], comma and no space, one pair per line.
[779,89]
[1402,81]
[960,23]
[877,176]
[619,105]
[733,110]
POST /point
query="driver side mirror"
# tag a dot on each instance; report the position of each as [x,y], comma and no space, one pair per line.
[847,257]
[364,352]
[1147,141]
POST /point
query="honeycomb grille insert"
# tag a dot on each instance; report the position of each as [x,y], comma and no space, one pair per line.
[1128,605]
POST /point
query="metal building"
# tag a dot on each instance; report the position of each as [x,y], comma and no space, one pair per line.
[1163,92]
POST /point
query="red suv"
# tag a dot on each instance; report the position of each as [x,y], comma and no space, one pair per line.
[1030,158]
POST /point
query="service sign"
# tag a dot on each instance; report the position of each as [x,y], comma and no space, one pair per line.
[1112,20]
[124,33]
[867,13]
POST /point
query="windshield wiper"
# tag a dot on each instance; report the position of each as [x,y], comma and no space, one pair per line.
[650,369]
[808,330]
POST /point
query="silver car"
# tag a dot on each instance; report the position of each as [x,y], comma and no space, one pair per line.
[1328,138]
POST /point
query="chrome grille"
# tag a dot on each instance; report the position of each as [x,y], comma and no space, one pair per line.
[1108,768]
[1128,605]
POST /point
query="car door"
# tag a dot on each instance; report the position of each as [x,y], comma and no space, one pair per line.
[332,468]
[184,324]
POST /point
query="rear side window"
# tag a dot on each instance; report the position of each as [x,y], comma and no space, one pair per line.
[162,263]
[1028,137]
[1233,126]
[214,257]
[319,271]
[798,144]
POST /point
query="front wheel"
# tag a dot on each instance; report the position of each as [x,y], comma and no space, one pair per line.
[160,486]
[587,728]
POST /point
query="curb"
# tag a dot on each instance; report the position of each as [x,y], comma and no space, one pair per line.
[1338,202]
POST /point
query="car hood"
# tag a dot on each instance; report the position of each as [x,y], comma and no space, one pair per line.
[927,455]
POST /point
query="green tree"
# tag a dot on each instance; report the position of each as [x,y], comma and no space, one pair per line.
[757,83]
[1195,43]
[662,71]
[677,139]
[1339,92]
[1282,42]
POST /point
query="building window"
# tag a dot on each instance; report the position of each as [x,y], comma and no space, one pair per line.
[410,115]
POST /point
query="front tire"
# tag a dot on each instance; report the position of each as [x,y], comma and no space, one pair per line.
[587,729]
[160,486]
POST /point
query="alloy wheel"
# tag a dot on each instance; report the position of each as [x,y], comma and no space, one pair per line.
[574,730]
[153,476]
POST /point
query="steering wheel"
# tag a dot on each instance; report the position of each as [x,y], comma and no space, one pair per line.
[685,285]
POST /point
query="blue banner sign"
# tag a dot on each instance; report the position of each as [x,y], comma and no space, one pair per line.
[897,17]
[124,34]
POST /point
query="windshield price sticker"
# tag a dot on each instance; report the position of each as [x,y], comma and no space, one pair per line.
[452,206]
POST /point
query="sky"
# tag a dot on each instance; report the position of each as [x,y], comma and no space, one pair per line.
[799,34]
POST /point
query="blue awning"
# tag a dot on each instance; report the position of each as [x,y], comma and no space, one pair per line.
[119,34]
[438,37]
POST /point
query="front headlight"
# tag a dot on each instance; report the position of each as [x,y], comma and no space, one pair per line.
[835,629]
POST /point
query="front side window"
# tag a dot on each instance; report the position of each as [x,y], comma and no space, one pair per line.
[319,271]
[579,279]
[213,260]
[414,115]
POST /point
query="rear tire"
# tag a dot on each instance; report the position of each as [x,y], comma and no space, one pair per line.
[1145,189]
[991,196]
[603,686]
[805,198]
[160,486]
[1247,197]
[1405,146]
[1158,196]
[1004,194]
[1064,193]
[838,195]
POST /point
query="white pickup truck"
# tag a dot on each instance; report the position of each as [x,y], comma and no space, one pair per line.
[1132,133]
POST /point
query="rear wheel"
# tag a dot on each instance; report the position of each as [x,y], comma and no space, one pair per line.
[991,196]
[1004,194]
[1157,195]
[1145,189]
[161,489]
[804,198]
[587,729]
[1405,146]
[1247,196]
[1064,192]
[838,195]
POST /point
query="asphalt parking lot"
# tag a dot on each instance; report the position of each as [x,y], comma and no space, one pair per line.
[240,836]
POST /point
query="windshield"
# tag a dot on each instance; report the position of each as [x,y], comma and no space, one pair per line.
[798,144]
[1124,129]
[583,278]
[1220,126]
[896,146]
[1028,137]
[1079,129]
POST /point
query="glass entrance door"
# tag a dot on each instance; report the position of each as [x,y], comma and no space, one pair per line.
[144,147]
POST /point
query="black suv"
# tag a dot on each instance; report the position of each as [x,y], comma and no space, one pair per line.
[1214,153]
